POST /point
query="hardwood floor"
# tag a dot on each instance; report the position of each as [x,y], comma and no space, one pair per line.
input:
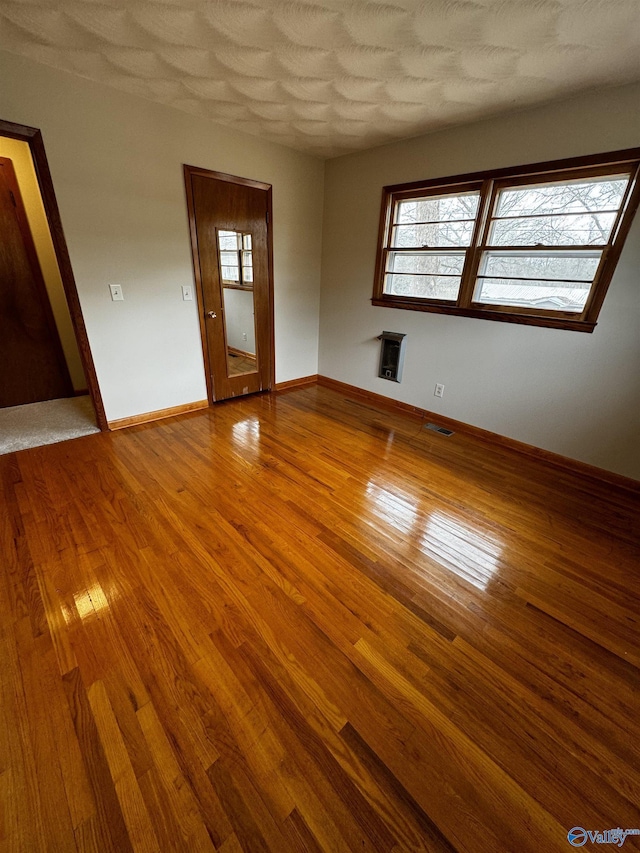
[298,623]
[238,365]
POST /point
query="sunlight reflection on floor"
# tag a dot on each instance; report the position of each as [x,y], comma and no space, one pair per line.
[450,541]
[462,548]
[397,510]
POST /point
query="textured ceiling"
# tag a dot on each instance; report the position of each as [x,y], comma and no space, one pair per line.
[332,76]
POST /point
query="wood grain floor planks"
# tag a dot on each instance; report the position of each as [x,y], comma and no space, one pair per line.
[296,622]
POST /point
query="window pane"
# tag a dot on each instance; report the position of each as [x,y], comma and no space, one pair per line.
[574,229]
[422,286]
[228,240]
[231,273]
[247,265]
[555,296]
[541,265]
[585,195]
[246,241]
[434,235]
[438,208]
[426,262]
[435,221]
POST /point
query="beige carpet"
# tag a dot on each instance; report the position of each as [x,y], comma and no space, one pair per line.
[45,423]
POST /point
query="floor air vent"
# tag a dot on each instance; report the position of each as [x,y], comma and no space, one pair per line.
[441,430]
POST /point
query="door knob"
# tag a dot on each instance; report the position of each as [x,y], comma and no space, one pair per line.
[212,314]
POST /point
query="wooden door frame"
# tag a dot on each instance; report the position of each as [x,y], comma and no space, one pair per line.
[195,171]
[33,137]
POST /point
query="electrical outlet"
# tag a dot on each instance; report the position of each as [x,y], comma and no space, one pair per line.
[116,292]
[244,336]
[439,390]
[187,293]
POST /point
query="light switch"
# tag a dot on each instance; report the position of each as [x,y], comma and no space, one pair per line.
[116,292]
[187,293]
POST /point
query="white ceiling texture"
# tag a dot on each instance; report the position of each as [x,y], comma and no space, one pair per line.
[333,76]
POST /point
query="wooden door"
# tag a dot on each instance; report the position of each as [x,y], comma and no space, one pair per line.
[230,233]
[32,363]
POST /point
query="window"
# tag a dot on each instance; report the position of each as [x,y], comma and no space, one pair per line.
[236,259]
[533,245]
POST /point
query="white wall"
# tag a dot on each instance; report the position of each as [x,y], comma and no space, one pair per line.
[239,319]
[573,393]
[116,163]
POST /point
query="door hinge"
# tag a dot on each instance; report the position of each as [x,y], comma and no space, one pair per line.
[267,217]
[13,199]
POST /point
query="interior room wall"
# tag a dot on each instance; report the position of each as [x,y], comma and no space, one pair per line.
[18,152]
[569,392]
[116,163]
[240,319]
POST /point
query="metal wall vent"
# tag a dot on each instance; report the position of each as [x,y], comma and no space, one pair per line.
[441,430]
[391,355]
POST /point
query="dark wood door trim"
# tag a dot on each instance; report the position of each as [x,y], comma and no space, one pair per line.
[192,171]
[197,275]
[33,137]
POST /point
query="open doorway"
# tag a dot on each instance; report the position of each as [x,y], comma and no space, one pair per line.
[48,385]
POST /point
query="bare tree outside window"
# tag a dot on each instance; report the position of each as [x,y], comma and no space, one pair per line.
[566,215]
[535,246]
[441,228]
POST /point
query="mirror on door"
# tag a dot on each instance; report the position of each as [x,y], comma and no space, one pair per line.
[235,256]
